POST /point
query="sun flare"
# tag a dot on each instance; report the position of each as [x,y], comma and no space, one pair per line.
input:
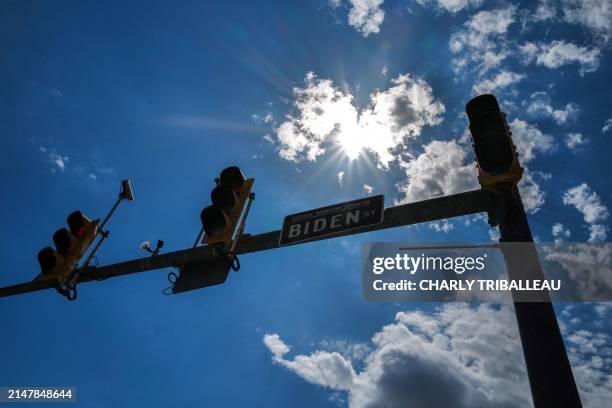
[352,141]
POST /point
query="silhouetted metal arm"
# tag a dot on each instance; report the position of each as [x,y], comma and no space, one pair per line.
[455,205]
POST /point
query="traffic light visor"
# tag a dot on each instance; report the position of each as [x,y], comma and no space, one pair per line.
[223,197]
[63,240]
[213,220]
[77,223]
[232,177]
[47,260]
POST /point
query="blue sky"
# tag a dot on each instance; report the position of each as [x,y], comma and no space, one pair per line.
[321,102]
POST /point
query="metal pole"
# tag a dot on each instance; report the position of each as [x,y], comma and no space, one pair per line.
[101,231]
[548,368]
[110,213]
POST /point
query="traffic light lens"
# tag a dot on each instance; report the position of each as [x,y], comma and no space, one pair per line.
[223,197]
[47,260]
[77,222]
[62,240]
[213,220]
[232,177]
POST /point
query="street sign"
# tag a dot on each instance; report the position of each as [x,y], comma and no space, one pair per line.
[332,219]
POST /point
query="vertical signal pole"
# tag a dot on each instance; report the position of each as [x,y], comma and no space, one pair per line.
[548,368]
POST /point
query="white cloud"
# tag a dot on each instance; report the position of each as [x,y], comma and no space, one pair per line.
[349,350]
[573,140]
[340,176]
[530,140]
[559,232]
[439,170]
[539,106]
[607,127]
[58,161]
[442,226]
[322,112]
[603,308]
[405,108]
[593,210]
[587,202]
[531,193]
[322,368]
[481,43]
[545,10]
[502,80]
[275,345]
[558,53]
[588,267]
[492,21]
[368,189]
[325,115]
[366,16]
[455,355]
[263,119]
[494,234]
[452,6]
[596,15]
[106,170]
[598,233]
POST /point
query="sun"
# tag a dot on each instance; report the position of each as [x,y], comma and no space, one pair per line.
[352,140]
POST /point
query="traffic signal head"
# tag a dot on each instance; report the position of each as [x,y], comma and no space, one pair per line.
[70,245]
[229,197]
[496,155]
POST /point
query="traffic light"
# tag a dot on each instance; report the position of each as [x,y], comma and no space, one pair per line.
[229,197]
[61,265]
[231,202]
[70,246]
[496,155]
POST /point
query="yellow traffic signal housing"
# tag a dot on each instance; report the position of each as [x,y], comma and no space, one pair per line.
[70,246]
[231,214]
[496,154]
